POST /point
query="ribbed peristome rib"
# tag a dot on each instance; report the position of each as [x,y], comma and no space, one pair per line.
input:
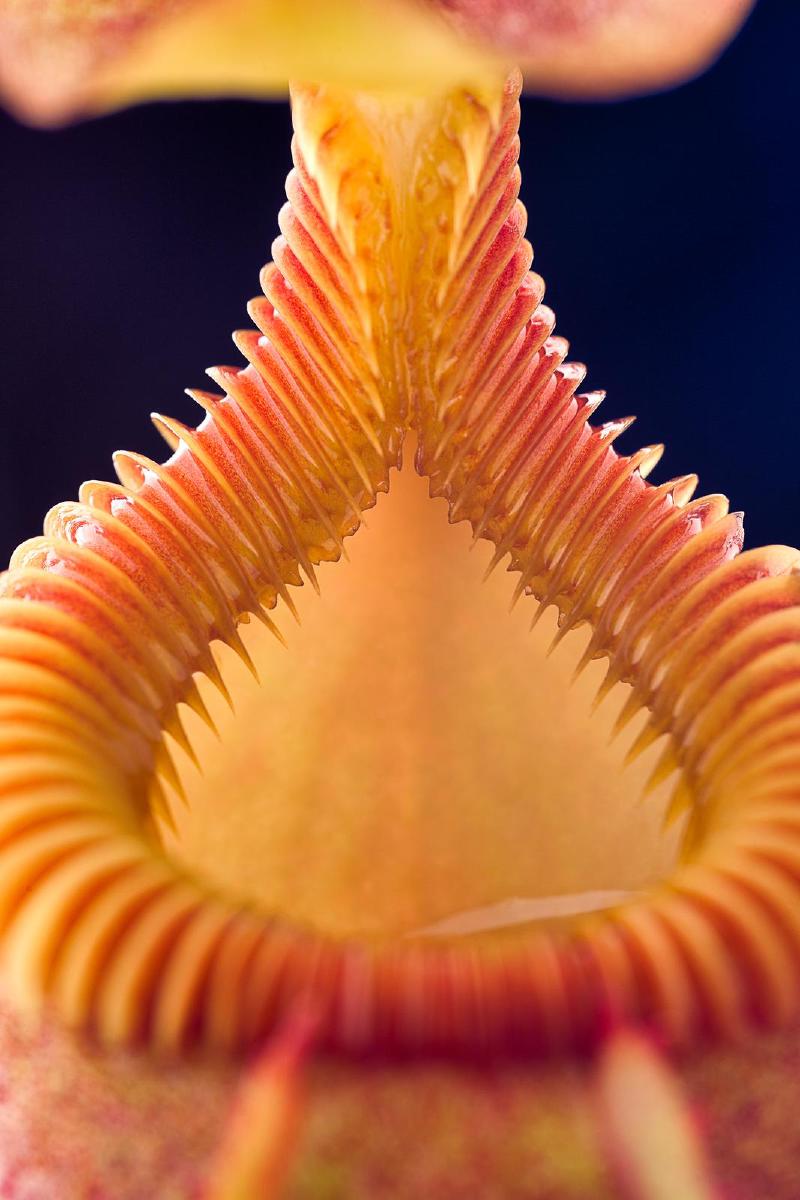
[400,298]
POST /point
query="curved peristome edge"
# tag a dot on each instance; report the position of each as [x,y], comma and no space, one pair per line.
[400,297]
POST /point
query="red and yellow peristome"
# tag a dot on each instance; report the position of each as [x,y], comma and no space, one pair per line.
[165,917]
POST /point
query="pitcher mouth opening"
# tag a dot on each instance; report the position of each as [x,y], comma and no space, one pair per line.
[413,764]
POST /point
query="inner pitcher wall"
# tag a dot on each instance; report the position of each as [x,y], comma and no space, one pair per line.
[414,755]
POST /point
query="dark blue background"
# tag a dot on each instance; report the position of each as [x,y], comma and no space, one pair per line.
[665,227]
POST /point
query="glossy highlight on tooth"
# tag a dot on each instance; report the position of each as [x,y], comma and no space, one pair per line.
[399,304]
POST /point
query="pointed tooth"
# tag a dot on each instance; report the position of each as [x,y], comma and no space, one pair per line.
[650,734]
[286,597]
[223,377]
[681,801]
[648,457]
[312,576]
[495,561]
[554,642]
[593,400]
[210,669]
[175,728]
[266,620]
[519,589]
[160,806]
[539,612]
[516,596]
[584,660]
[128,471]
[568,622]
[197,704]
[235,642]
[206,400]
[681,489]
[487,515]
[165,766]
[666,765]
[630,708]
[242,339]
[614,429]
[565,626]
[549,596]
[166,429]
[612,677]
